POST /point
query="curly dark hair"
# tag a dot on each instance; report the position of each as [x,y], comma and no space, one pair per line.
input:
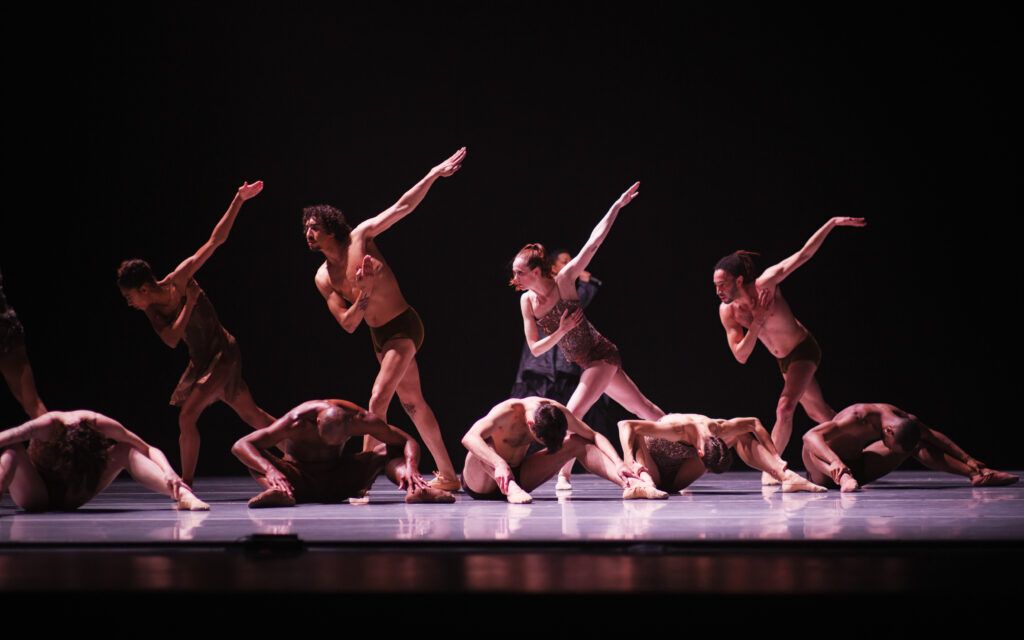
[550,425]
[907,434]
[717,456]
[332,220]
[134,273]
[739,263]
[77,456]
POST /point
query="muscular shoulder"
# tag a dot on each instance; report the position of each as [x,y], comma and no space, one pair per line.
[323,279]
[727,313]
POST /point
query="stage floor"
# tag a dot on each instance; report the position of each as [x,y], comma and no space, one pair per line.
[910,532]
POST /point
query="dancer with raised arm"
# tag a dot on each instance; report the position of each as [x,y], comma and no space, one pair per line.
[680,447]
[754,303]
[14,364]
[74,455]
[522,442]
[179,311]
[864,442]
[313,469]
[551,305]
[359,286]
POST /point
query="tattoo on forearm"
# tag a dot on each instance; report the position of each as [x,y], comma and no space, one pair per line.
[363,302]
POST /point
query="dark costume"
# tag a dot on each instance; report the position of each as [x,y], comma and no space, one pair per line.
[808,349]
[215,359]
[669,457]
[12,334]
[405,325]
[583,345]
[349,476]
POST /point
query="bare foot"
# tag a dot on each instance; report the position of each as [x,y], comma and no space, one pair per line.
[793,482]
[187,501]
[563,483]
[272,498]
[516,495]
[768,479]
[429,494]
[643,492]
[444,483]
[848,484]
[991,478]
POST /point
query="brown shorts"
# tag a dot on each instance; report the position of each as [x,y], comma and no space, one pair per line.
[405,325]
[333,481]
[806,350]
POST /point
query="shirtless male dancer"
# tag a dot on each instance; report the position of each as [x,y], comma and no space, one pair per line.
[74,455]
[14,364]
[754,303]
[522,442]
[313,469]
[864,442]
[358,285]
[678,448]
[179,310]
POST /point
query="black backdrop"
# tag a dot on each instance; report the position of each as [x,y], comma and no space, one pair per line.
[748,127]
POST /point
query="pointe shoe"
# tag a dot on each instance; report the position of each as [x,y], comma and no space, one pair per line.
[271,498]
[444,483]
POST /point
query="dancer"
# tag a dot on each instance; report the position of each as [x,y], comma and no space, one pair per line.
[522,442]
[754,303]
[72,456]
[358,285]
[864,442]
[551,305]
[179,310]
[14,364]
[313,469]
[680,447]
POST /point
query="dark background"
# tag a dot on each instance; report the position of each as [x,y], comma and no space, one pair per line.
[748,127]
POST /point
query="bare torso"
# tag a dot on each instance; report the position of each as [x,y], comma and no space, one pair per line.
[781,332]
[511,437]
[386,302]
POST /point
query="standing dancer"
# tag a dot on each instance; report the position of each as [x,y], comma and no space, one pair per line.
[14,364]
[179,310]
[754,303]
[358,285]
[551,304]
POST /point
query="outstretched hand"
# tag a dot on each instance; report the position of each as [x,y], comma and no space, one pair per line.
[247,191]
[846,221]
[628,195]
[570,321]
[452,164]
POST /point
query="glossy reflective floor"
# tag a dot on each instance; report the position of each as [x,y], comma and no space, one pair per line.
[910,533]
[733,507]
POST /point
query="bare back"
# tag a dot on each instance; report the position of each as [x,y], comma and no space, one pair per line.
[858,426]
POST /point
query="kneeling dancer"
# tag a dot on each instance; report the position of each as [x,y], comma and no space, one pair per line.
[74,455]
[313,468]
[677,449]
[522,442]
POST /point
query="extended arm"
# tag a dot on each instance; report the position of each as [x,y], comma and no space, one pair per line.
[45,426]
[575,267]
[411,199]
[190,265]
[393,437]
[941,442]
[772,276]
[249,450]
[732,429]
[117,432]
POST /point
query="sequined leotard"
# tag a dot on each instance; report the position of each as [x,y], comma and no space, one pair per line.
[583,345]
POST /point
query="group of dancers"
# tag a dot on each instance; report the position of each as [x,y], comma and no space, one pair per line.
[60,460]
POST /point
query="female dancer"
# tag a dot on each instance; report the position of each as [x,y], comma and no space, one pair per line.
[550,304]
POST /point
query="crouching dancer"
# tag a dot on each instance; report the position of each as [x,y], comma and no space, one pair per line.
[523,442]
[313,469]
[864,442]
[675,450]
[74,455]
